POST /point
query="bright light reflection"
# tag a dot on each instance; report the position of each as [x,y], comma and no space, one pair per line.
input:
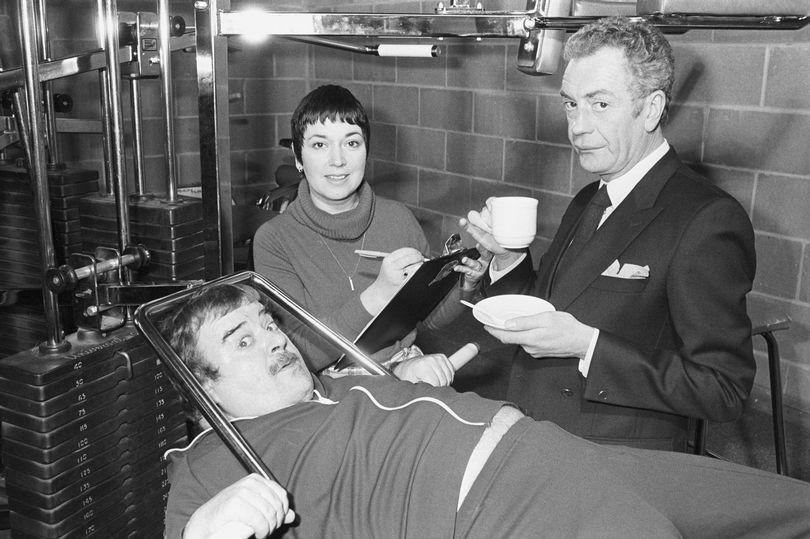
[254,29]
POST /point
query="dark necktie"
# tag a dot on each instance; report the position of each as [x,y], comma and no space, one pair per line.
[587,226]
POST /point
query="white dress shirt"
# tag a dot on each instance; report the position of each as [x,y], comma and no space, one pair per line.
[618,188]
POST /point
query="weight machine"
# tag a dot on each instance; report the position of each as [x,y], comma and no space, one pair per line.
[88,414]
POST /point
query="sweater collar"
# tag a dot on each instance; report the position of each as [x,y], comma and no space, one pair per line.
[348,225]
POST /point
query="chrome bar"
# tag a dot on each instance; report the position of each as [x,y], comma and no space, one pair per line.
[54,154]
[137,132]
[215,166]
[424,51]
[106,130]
[486,24]
[56,69]
[104,92]
[483,25]
[37,166]
[164,30]
[20,117]
[119,183]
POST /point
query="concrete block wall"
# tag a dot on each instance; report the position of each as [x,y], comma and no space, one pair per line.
[449,132]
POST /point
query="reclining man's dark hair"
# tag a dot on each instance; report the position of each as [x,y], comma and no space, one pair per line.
[328,102]
[182,327]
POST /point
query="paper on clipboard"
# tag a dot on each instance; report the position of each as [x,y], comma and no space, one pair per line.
[413,303]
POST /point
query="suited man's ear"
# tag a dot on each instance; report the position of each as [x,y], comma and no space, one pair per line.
[654,110]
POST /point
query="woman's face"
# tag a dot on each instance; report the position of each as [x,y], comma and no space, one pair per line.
[333,157]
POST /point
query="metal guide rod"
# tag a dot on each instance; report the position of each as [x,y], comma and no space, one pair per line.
[137,130]
[119,183]
[164,29]
[54,154]
[20,117]
[106,130]
[422,51]
[54,341]
[486,24]
[215,164]
[62,67]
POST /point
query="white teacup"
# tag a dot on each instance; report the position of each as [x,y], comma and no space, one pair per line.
[514,220]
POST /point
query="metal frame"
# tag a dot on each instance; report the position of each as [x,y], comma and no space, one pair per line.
[36,124]
[145,320]
[214,22]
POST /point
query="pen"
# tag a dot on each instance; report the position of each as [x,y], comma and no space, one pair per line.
[374,254]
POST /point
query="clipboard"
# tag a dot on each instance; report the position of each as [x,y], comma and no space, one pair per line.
[413,303]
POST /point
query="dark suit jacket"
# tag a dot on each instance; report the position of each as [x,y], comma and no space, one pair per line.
[672,346]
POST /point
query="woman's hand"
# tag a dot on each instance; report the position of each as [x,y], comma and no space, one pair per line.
[395,270]
[473,270]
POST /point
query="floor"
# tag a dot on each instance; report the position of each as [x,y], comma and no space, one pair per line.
[747,441]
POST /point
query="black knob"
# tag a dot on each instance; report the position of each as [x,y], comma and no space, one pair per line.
[178,26]
[62,103]
[60,279]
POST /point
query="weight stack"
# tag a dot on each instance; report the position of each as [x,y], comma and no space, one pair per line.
[83,437]
[21,322]
[19,227]
[173,232]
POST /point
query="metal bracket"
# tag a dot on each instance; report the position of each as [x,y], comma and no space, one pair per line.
[8,132]
[140,31]
[459,6]
[539,52]
[97,284]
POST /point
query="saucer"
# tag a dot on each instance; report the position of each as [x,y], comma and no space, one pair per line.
[495,311]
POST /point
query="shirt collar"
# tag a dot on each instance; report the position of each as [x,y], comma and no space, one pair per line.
[618,188]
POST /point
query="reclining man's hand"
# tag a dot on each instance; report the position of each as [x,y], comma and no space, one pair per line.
[433,369]
[251,506]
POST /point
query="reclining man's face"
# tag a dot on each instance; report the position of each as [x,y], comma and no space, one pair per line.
[260,370]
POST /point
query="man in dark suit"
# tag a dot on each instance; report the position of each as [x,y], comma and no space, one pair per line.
[651,325]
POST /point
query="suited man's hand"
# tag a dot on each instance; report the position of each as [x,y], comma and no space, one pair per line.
[550,334]
[477,224]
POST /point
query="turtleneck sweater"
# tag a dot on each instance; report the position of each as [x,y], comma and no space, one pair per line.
[309,254]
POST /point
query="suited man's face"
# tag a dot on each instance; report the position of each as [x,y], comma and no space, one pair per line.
[609,128]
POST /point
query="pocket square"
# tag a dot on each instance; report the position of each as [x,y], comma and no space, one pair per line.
[626,271]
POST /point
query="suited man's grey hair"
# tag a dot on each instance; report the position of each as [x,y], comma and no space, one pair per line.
[649,54]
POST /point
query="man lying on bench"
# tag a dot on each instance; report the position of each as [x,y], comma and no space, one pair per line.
[370,456]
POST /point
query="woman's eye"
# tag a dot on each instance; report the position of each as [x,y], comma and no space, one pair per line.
[355,143]
[318,145]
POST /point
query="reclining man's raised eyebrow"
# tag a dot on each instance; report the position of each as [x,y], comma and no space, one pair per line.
[232,331]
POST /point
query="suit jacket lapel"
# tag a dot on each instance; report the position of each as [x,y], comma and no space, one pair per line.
[628,220]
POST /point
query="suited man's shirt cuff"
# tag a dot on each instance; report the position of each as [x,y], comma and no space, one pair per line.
[494,274]
[585,362]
